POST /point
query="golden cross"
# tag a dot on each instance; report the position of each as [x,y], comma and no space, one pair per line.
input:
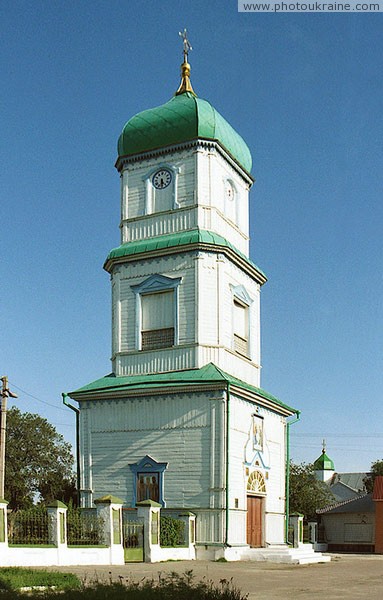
[187,46]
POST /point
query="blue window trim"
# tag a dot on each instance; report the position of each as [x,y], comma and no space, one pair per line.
[156,283]
[149,465]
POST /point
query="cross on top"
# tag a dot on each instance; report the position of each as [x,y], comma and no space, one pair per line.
[187,46]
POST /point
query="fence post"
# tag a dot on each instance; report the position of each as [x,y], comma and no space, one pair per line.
[149,512]
[3,524]
[296,522]
[313,532]
[57,512]
[109,508]
[189,520]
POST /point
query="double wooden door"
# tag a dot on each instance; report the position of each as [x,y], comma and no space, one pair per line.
[255,521]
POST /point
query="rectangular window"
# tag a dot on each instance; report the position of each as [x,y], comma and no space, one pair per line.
[241,328]
[157,329]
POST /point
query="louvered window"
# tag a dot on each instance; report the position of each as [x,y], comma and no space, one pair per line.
[241,328]
[157,320]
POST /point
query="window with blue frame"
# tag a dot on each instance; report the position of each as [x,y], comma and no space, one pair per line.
[148,480]
[157,312]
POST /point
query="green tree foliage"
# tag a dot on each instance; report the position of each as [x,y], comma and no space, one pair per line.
[172,532]
[307,494]
[38,462]
[376,469]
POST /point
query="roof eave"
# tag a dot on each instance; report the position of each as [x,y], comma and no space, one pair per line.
[257,274]
[145,154]
[136,389]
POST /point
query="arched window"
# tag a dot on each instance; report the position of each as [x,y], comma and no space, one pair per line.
[231,201]
[256,483]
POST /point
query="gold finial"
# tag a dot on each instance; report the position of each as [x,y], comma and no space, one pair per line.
[185,85]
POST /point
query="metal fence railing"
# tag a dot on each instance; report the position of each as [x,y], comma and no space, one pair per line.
[84,527]
[28,527]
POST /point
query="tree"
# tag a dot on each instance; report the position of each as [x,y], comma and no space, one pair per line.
[38,461]
[376,469]
[307,494]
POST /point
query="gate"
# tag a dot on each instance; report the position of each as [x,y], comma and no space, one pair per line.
[133,536]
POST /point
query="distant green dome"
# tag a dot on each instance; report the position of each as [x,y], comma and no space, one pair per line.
[185,117]
[324,463]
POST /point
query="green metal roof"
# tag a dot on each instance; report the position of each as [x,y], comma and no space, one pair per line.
[183,238]
[183,118]
[324,463]
[206,374]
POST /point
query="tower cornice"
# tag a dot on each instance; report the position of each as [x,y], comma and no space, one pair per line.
[198,143]
[187,241]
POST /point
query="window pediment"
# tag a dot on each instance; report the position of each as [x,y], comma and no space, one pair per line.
[240,292]
[148,465]
[156,283]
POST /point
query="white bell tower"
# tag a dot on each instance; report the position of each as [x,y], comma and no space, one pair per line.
[184,291]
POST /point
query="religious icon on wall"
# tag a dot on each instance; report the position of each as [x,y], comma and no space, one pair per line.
[257,432]
[148,487]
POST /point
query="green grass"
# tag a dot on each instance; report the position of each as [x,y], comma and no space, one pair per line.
[170,587]
[14,578]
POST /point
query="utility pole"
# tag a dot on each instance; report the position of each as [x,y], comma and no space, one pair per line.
[5,393]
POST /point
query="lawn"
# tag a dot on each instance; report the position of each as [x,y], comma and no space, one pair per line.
[169,587]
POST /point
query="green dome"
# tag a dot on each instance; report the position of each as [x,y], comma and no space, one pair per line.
[185,117]
[324,463]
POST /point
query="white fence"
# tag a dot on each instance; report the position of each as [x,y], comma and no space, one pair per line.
[109,552]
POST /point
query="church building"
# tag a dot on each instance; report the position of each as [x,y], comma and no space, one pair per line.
[182,419]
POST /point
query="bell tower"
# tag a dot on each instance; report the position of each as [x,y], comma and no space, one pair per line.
[182,420]
[184,290]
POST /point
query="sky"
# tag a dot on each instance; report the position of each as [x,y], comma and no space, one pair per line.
[304,90]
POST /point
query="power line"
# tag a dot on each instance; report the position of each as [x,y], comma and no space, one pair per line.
[36,398]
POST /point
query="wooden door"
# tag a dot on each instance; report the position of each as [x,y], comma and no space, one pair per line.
[254,521]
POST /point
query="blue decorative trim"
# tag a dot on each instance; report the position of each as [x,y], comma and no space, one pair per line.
[150,466]
[257,456]
[156,283]
[240,292]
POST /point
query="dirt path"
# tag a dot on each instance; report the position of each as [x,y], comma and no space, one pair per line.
[346,576]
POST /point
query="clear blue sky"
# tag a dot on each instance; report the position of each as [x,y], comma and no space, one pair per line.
[305,91]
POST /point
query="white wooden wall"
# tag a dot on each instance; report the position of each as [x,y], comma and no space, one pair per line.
[201,178]
[188,432]
[242,456]
[205,316]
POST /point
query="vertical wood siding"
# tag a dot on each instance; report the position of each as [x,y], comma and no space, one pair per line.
[173,429]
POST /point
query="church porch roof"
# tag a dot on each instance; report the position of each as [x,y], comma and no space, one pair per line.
[208,374]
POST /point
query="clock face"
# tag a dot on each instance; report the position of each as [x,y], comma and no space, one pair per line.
[161,179]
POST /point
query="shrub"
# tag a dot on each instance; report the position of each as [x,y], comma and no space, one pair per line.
[172,532]
[169,587]
[85,527]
